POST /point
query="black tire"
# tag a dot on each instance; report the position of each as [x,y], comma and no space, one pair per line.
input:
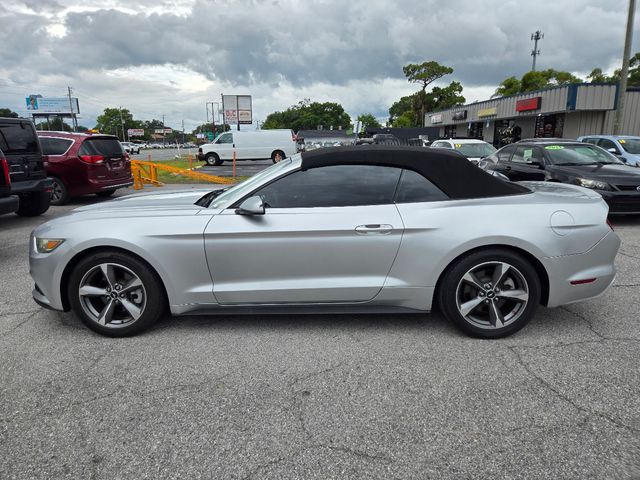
[275,154]
[106,193]
[152,296]
[457,295]
[213,159]
[59,192]
[33,204]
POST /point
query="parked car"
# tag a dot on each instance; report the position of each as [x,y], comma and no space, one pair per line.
[625,147]
[568,161]
[81,164]
[251,145]
[472,148]
[367,228]
[21,148]
[131,148]
[385,139]
[8,202]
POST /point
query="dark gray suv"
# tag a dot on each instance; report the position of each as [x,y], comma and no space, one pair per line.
[21,148]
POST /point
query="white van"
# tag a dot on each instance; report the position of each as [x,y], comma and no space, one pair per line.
[253,145]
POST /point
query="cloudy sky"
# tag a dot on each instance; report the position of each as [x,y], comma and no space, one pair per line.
[160,57]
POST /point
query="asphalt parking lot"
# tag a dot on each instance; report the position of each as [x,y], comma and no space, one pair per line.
[368,396]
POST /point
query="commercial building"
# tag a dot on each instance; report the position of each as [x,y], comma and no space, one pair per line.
[567,111]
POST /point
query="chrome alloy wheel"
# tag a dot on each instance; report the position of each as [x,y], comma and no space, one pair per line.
[57,192]
[492,295]
[112,295]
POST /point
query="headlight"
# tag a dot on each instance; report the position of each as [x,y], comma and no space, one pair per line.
[47,245]
[594,184]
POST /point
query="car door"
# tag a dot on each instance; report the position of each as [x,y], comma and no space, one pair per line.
[526,163]
[328,234]
[224,146]
[502,163]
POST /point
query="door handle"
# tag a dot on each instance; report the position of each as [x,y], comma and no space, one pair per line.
[374,229]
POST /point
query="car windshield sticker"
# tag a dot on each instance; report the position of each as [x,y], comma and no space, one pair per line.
[527,154]
[458,145]
[622,140]
[554,147]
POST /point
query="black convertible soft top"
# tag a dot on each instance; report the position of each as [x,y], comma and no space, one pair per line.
[451,172]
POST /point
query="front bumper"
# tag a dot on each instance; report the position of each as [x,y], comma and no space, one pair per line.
[46,270]
[622,202]
[596,263]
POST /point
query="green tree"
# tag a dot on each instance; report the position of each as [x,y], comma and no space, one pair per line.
[8,113]
[509,86]
[307,115]
[424,74]
[114,120]
[400,109]
[56,123]
[535,80]
[597,76]
[445,97]
[367,120]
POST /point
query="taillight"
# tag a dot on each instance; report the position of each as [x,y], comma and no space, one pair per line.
[127,157]
[92,158]
[5,170]
[609,223]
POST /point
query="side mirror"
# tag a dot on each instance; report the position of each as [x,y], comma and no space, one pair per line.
[613,150]
[251,206]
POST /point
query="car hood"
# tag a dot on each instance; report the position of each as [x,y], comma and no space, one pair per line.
[151,200]
[618,174]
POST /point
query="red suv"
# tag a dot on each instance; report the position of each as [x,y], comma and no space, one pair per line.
[81,163]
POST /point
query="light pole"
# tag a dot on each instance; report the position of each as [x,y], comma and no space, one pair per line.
[622,87]
[538,35]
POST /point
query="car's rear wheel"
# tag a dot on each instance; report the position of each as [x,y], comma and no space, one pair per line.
[116,294]
[59,192]
[213,159]
[277,156]
[106,193]
[34,203]
[490,293]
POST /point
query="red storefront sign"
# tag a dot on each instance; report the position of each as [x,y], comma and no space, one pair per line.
[528,104]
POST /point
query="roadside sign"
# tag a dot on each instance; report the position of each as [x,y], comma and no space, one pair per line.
[135,132]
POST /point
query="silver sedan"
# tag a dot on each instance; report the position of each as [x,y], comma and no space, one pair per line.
[355,229]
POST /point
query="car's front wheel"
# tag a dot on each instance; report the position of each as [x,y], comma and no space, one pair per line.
[116,294]
[490,293]
[213,159]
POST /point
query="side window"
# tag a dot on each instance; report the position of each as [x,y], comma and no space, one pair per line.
[413,188]
[225,138]
[607,144]
[593,141]
[333,186]
[527,155]
[505,154]
[54,146]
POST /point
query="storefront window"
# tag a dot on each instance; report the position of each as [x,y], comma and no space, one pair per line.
[549,126]
[450,131]
[475,130]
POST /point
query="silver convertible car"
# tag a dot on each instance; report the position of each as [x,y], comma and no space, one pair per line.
[354,229]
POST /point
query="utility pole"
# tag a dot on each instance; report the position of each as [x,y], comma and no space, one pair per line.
[124,138]
[622,87]
[538,35]
[183,131]
[163,130]
[73,115]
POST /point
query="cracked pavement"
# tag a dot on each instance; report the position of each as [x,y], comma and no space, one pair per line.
[335,396]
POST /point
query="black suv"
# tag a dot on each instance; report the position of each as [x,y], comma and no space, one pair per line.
[573,162]
[21,148]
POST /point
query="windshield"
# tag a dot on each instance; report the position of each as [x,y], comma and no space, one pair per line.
[630,145]
[580,155]
[475,149]
[223,197]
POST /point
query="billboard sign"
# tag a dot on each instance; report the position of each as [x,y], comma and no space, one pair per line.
[237,109]
[135,132]
[162,131]
[37,104]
